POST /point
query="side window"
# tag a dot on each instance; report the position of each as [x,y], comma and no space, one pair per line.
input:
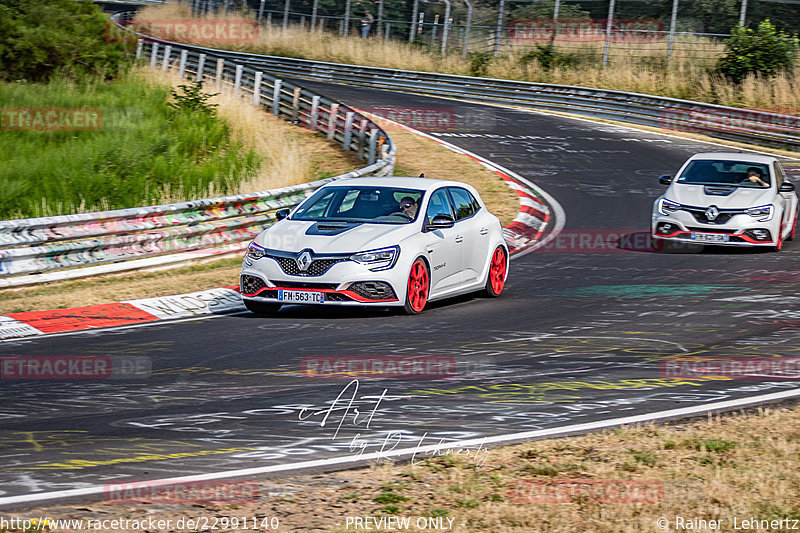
[438,205]
[778,173]
[464,203]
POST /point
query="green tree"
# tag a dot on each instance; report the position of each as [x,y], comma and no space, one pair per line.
[764,51]
[39,38]
[544,10]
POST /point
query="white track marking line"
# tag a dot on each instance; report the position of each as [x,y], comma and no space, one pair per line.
[353,459]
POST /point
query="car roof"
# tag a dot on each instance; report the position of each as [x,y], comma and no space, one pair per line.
[425,184]
[735,156]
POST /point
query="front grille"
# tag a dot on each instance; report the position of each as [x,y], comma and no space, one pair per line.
[715,230]
[373,290]
[303,285]
[700,216]
[317,267]
[251,284]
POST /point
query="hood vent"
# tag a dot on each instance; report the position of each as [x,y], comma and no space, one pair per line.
[330,228]
[713,190]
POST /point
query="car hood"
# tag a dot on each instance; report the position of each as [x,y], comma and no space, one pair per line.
[296,235]
[740,198]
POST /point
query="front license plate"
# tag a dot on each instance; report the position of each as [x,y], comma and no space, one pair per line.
[710,237]
[301,297]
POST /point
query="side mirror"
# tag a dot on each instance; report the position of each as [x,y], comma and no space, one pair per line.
[666,179]
[786,187]
[440,222]
[281,214]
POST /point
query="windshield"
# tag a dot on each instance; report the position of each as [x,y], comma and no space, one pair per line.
[730,173]
[376,205]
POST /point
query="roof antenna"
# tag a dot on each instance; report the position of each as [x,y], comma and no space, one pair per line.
[421,174]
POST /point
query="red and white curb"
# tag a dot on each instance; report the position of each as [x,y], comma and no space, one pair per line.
[538,212]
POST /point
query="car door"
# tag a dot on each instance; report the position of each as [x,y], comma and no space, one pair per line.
[443,247]
[472,229]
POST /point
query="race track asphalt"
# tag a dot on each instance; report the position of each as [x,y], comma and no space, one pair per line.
[586,331]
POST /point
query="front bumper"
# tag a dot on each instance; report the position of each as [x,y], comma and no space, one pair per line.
[740,230]
[343,283]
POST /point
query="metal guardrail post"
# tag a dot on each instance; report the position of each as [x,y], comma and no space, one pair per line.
[139,46]
[201,65]
[182,65]
[314,9]
[446,24]
[312,119]
[167,53]
[672,23]
[237,82]
[413,32]
[276,98]
[153,54]
[332,121]
[257,88]
[220,70]
[261,11]
[348,130]
[373,147]
[609,22]
[286,14]
[296,104]
[465,48]
[362,139]
[499,28]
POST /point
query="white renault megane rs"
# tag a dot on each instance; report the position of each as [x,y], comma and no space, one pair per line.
[727,198]
[377,241]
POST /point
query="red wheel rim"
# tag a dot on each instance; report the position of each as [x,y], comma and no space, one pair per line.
[497,272]
[418,286]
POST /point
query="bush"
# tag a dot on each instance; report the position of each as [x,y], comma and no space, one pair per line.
[764,51]
[547,56]
[40,38]
[194,99]
[479,63]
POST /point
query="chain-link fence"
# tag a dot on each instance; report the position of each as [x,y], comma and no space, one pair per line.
[582,30]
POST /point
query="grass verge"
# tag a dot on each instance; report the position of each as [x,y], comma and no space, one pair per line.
[735,466]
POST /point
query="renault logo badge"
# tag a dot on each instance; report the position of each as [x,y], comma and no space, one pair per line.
[303,261]
[712,213]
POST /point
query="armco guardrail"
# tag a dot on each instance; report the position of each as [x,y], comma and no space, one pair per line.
[729,123]
[58,243]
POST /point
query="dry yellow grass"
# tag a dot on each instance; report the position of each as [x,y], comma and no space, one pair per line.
[686,77]
[738,465]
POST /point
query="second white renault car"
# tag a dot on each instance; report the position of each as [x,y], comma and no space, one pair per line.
[387,241]
[737,199]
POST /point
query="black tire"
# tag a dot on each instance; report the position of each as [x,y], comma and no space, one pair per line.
[261,308]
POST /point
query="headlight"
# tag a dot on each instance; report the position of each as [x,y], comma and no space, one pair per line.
[255,251]
[763,213]
[382,259]
[666,207]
